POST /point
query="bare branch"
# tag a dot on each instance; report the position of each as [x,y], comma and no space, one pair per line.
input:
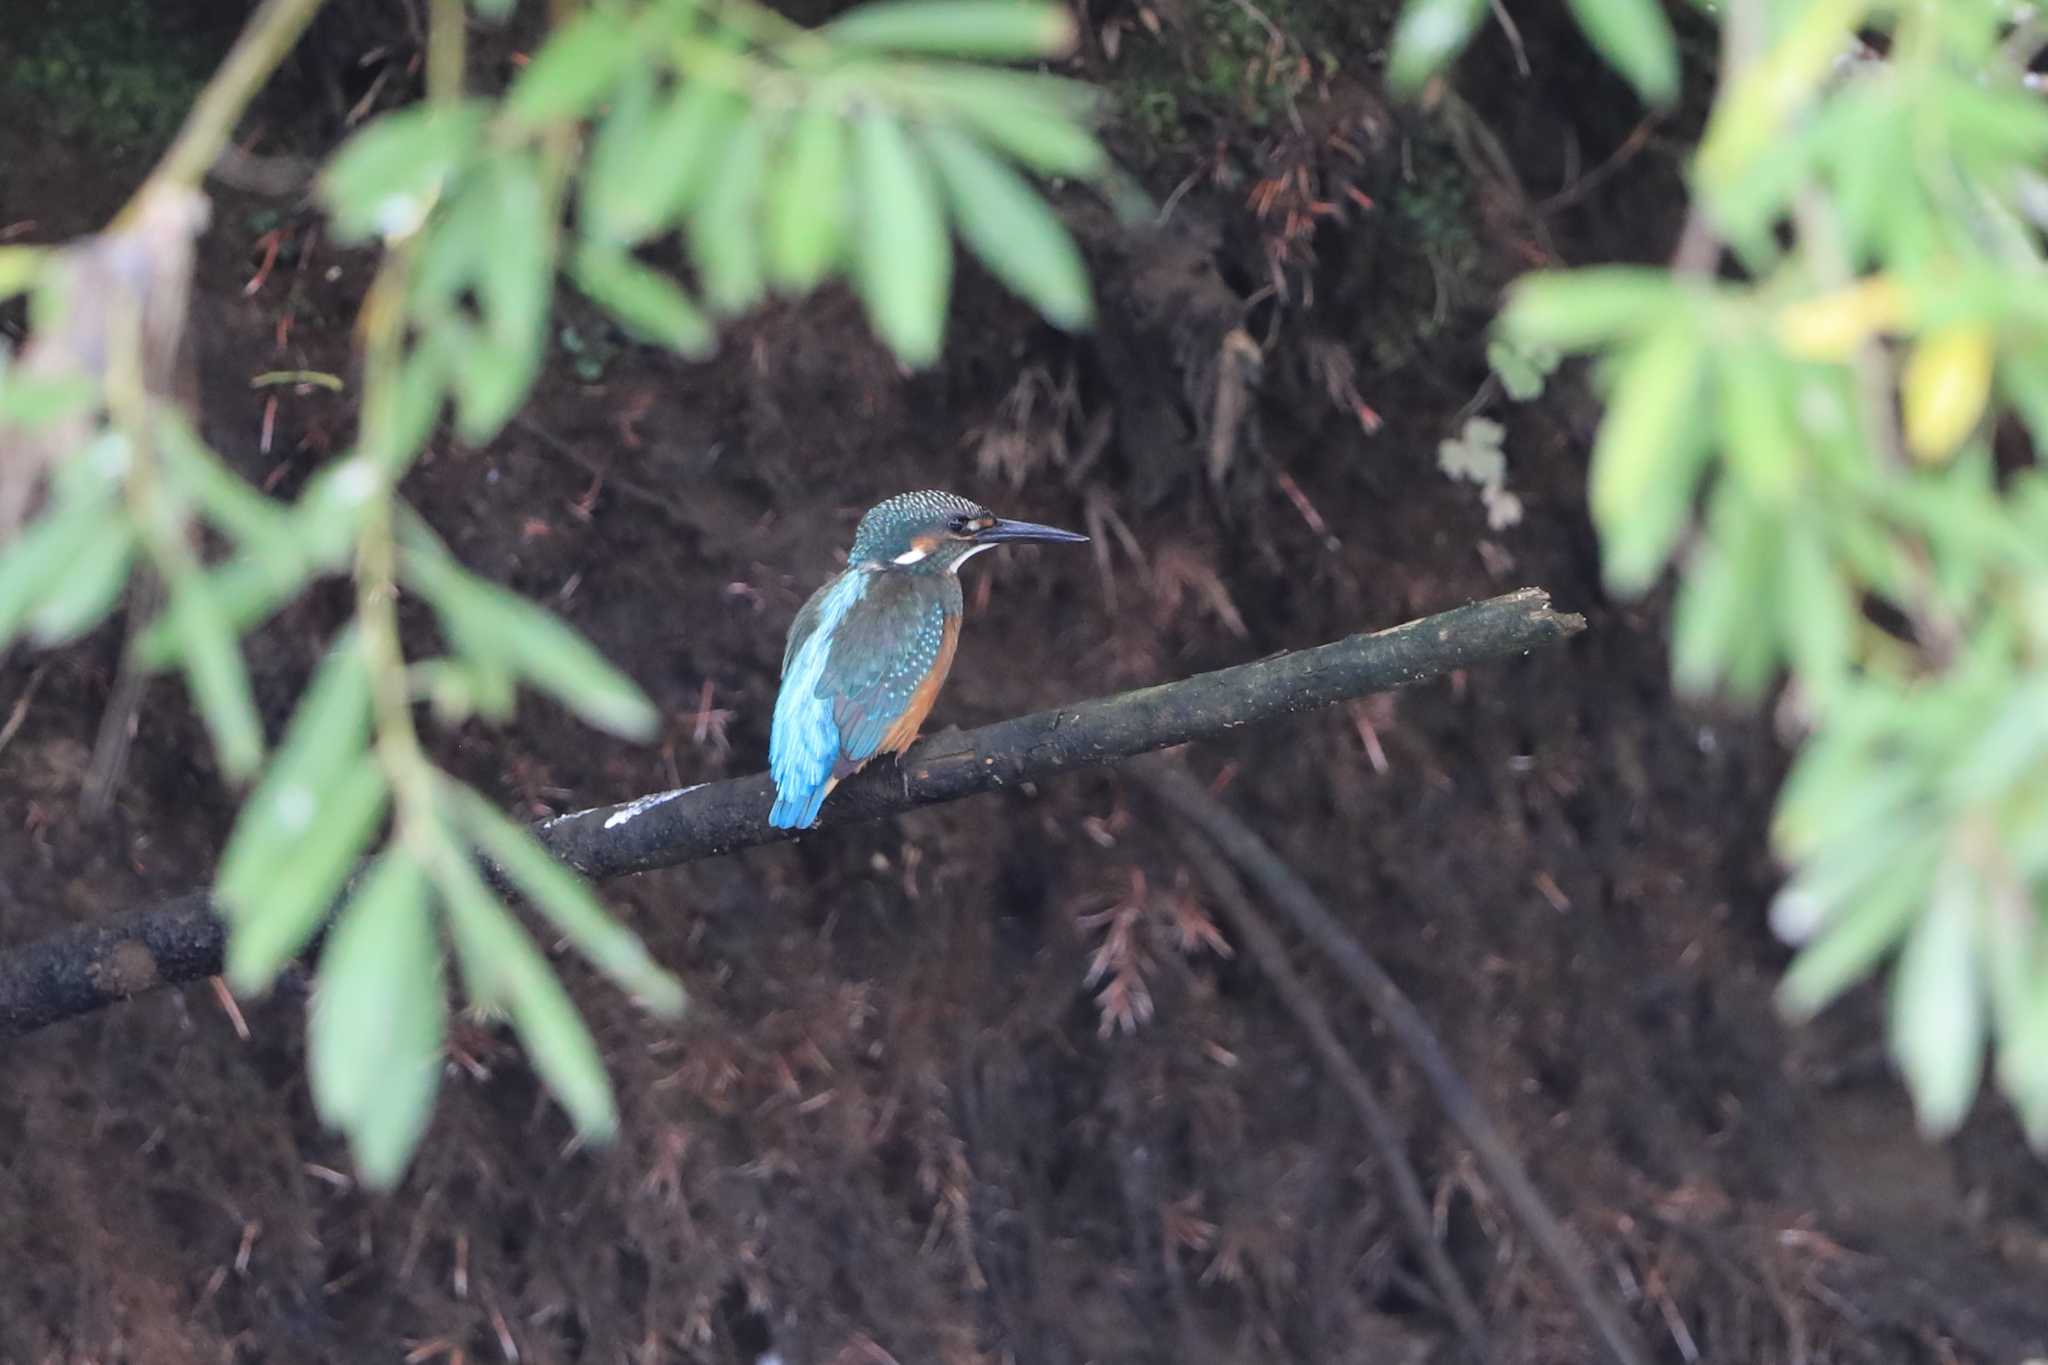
[85,968]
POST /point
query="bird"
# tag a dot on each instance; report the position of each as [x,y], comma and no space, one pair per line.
[869,652]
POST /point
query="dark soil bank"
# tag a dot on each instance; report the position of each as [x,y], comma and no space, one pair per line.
[977,1084]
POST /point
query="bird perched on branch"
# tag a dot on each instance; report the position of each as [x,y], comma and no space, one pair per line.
[869,652]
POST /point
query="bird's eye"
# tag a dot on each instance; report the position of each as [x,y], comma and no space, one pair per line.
[959,524]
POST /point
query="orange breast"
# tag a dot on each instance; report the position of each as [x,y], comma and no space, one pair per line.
[903,733]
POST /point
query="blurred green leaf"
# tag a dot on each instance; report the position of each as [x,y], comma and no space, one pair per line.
[1838,875]
[1638,490]
[1938,1003]
[725,227]
[567,902]
[548,653]
[1748,209]
[1004,29]
[1522,369]
[489,670]
[90,584]
[676,158]
[387,178]
[1580,309]
[212,658]
[961,85]
[1012,229]
[1852,945]
[646,301]
[1749,113]
[575,68]
[2010,749]
[1991,116]
[1866,125]
[499,956]
[1762,444]
[514,283]
[2023,382]
[1843,782]
[310,865]
[327,736]
[412,404]
[1428,37]
[1042,121]
[259,525]
[1717,629]
[905,255]
[246,589]
[446,260]
[32,402]
[1945,386]
[20,266]
[387,1134]
[1050,144]
[450,687]
[479,926]
[808,202]
[2022,1069]
[494,10]
[39,556]
[615,170]
[373,1044]
[1817,614]
[1636,39]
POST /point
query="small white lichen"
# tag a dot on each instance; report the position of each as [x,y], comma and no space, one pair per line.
[400,215]
[1796,915]
[633,809]
[296,806]
[355,481]
[1475,456]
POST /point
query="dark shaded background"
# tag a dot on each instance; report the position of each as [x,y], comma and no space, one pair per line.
[896,1126]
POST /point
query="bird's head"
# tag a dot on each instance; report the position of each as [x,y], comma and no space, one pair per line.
[933,532]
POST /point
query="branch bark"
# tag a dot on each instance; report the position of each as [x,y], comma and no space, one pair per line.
[85,968]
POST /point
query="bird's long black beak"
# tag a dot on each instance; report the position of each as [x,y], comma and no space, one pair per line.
[1004,531]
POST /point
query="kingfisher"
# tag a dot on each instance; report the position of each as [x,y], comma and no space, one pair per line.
[869,652]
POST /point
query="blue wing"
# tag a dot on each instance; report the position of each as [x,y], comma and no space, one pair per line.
[803,747]
[857,654]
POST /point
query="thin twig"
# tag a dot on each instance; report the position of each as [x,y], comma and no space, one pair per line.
[1698,254]
[1514,33]
[124,707]
[1583,185]
[208,130]
[1284,888]
[665,505]
[1405,1186]
[19,714]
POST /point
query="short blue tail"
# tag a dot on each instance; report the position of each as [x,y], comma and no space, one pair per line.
[797,809]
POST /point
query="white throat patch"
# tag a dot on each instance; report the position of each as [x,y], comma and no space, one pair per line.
[910,556]
[955,566]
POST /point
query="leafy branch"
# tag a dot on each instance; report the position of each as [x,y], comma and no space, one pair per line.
[778,158]
[1828,422]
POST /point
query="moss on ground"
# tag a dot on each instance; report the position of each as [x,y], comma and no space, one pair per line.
[118,74]
[1236,64]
